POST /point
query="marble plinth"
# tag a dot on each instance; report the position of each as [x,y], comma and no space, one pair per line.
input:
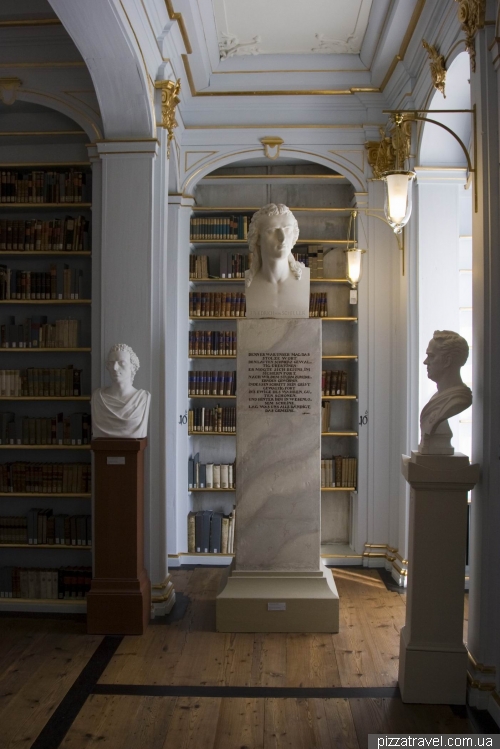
[278,484]
[433,658]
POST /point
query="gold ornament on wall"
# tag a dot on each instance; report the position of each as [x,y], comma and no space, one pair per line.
[272,146]
[471,16]
[8,89]
[437,65]
[169,100]
[382,153]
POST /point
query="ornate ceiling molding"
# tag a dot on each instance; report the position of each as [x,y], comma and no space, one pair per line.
[232,47]
[437,66]
[336,46]
[471,16]
[169,100]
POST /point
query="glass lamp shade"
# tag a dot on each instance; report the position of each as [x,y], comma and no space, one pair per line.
[354,265]
[398,189]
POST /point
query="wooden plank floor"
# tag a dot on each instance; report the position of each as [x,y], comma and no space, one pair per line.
[41,658]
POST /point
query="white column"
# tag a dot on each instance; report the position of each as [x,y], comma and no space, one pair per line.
[177,363]
[132,272]
[484,604]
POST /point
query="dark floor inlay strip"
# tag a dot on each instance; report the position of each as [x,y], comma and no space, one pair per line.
[62,719]
[156,690]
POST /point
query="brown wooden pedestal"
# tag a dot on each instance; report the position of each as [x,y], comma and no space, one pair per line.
[119,601]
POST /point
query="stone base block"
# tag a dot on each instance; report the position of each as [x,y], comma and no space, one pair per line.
[430,675]
[278,602]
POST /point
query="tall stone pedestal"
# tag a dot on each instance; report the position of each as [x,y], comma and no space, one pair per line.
[119,601]
[433,658]
[277,584]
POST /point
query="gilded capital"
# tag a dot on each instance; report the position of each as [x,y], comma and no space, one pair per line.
[471,16]
[169,100]
[381,154]
[437,66]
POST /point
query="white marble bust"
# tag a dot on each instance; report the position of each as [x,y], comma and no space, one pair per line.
[276,284]
[447,352]
[120,410]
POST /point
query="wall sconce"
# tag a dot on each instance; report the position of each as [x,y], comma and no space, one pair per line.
[398,184]
[353,255]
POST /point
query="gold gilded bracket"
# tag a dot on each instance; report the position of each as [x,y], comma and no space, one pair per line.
[437,66]
[471,16]
[169,100]
[8,89]
[269,143]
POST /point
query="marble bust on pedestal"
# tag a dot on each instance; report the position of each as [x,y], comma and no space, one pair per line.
[276,284]
[120,410]
[447,352]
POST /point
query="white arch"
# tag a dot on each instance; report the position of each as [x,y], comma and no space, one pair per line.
[90,125]
[115,62]
[347,169]
[437,147]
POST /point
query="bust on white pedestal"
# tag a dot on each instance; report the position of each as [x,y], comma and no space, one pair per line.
[276,284]
[120,410]
[447,352]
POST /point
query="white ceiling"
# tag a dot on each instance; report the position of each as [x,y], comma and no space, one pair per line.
[290,26]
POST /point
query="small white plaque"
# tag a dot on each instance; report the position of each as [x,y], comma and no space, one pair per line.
[276,606]
[115,461]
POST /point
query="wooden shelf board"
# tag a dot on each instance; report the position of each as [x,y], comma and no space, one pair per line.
[328,319]
[212,356]
[45,398]
[37,164]
[44,546]
[338,489]
[44,447]
[35,206]
[49,495]
[211,396]
[46,301]
[47,604]
[36,350]
[339,434]
[211,434]
[42,253]
[211,490]
[196,317]
[339,397]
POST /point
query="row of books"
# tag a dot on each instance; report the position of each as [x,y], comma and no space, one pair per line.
[43,187]
[25,477]
[56,430]
[217,419]
[312,258]
[210,475]
[212,382]
[40,526]
[56,283]
[70,234]
[45,583]
[36,382]
[210,532]
[339,472]
[212,342]
[216,304]
[333,382]
[219,227]
[230,265]
[37,332]
[318,304]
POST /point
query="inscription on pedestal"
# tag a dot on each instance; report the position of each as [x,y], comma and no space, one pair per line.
[280,382]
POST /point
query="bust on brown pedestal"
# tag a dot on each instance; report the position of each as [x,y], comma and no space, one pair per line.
[119,601]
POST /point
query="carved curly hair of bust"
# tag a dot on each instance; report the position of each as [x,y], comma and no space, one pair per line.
[271,209]
[134,359]
[453,344]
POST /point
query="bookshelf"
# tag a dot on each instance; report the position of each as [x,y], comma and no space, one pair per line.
[47,233]
[322,208]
